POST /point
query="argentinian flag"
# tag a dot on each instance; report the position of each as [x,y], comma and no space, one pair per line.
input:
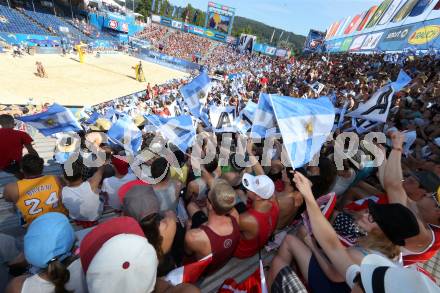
[54,120]
[264,124]
[304,125]
[195,91]
[178,130]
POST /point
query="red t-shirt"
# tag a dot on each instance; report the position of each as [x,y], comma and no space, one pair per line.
[11,146]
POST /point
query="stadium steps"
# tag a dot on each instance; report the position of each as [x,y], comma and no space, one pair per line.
[41,26]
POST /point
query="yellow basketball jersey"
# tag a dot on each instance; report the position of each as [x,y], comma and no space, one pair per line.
[39,196]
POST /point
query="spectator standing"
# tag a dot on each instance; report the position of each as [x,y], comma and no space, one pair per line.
[81,197]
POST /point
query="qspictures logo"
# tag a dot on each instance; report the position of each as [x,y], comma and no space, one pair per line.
[424,35]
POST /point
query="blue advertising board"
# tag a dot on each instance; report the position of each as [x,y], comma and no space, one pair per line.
[194,29]
[30,40]
[166,60]
[116,22]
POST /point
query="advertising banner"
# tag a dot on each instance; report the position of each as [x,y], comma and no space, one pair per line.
[116,22]
[371,41]
[397,34]
[357,43]
[31,40]
[346,44]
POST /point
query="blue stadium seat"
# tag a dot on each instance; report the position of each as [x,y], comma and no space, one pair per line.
[12,21]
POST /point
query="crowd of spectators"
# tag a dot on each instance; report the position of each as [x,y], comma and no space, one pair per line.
[385,217]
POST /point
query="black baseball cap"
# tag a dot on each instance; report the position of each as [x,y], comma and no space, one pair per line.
[396,221]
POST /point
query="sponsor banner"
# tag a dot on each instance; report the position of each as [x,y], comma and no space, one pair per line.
[30,40]
[165,21]
[176,24]
[166,60]
[198,30]
[63,29]
[425,34]
[371,41]
[346,44]
[219,37]
[281,53]
[116,22]
[209,33]
[357,43]
[270,50]
[397,34]
[155,18]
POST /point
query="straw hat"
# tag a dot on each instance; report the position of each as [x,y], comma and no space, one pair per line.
[101,124]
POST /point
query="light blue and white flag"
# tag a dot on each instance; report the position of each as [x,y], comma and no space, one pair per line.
[56,119]
[222,118]
[92,119]
[339,116]
[402,80]
[195,91]
[125,134]
[178,130]
[264,124]
[243,123]
[304,125]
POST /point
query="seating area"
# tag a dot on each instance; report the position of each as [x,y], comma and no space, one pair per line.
[12,21]
[54,24]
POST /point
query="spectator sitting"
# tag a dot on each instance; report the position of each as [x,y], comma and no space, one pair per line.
[260,220]
[167,189]
[141,203]
[130,261]
[48,245]
[111,185]
[13,150]
[81,198]
[36,194]
[219,234]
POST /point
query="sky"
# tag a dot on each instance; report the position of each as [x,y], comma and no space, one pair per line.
[297,16]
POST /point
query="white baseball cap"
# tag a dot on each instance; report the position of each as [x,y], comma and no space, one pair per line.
[379,272]
[261,185]
[116,258]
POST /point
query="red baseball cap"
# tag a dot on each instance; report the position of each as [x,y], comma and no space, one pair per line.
[127,186]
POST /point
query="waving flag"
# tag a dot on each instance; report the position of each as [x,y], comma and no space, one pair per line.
[178,130]
[189,273]
[254,283]
[92,119]
[265,123]
[378,106]
[304,124]
[243,123]
[56,119]
[195,91]
[125,134]
[402,80]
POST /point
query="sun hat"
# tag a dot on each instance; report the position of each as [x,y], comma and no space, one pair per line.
[50,236]
[261,185]
[116,257]
[396,221]
[101,124]
[140,201]
[379,274]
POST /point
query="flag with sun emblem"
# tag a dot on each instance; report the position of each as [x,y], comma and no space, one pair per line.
[195,94]
[304,125]
[56,119]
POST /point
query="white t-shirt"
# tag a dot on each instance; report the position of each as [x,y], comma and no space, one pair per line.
[111,186]
[82,203]
[77,281]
